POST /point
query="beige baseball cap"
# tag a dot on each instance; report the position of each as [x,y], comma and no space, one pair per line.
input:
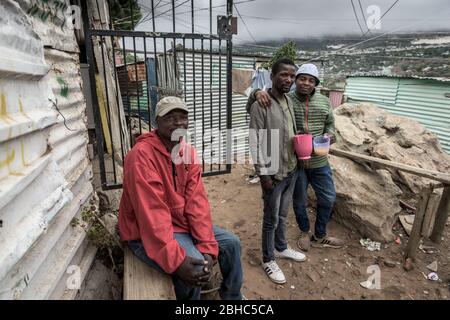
[167,104]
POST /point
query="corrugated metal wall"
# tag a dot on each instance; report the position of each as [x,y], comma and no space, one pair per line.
[202,115]
[378,90]
[45,172]
[419,99]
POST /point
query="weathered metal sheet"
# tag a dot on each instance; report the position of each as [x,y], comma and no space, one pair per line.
[45,173]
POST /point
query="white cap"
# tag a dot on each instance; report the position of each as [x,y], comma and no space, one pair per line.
[167,104]
[309,69]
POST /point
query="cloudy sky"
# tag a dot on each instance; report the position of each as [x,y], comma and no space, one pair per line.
[276,19]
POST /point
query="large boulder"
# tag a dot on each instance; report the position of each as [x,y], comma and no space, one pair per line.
[367,196]
[366,200]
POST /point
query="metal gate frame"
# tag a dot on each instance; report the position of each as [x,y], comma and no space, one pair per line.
[225,26]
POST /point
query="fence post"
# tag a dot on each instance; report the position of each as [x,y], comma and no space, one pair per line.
[441,216]
[416,232]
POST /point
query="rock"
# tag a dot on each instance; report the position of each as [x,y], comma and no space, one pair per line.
[407,222]
[358,204]
[110,221]
[104,201]
[367,198]
[239,224]
[433,266]
[109,200]
[389,263]
[408,265]
[313,275]
[252,263]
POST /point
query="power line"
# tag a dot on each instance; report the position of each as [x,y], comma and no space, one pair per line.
[243,21]
[150,10]
[363,15]
[392,57]
[296,21]
[200,9]
[172,9]
[357,19]
[370,39]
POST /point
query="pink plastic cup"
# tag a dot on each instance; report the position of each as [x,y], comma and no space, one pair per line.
[303,146]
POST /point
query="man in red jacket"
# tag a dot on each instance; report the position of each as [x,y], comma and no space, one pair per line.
[164,213]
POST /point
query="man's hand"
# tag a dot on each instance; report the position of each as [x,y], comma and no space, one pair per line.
[263,99]
[191,272]
[210,262]
[266,183]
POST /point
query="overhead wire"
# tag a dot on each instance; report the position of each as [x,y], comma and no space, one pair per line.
[356,16]
[243,21]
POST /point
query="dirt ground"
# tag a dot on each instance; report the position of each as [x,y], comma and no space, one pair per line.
[328,273]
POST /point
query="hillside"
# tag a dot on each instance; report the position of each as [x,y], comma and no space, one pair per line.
[423,55]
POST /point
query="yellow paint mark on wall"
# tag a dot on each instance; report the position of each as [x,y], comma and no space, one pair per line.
[20,174]
[9,158]
[10,155]
[3,109]
[21,109]
[22,151]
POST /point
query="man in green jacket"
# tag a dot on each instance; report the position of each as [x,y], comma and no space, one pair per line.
[314,115]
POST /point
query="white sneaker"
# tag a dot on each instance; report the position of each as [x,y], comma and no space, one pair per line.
[274,272]
[290,253]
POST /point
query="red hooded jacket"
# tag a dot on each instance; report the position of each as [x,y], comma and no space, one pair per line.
[160,198]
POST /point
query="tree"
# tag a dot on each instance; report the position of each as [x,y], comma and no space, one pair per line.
[286,51]
[121,14]
[131,58]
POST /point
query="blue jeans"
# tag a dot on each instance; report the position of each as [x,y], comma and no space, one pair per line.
[321,180]
[229,262]
[276,206]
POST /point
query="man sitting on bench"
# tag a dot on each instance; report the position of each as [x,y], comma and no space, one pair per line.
[164,213]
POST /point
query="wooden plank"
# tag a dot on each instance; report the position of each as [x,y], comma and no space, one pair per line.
[434,175]
[430,214]
[441,216]
[141,282]
[416,232]
[102,106]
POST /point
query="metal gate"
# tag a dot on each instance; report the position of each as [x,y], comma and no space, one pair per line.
[131,70]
